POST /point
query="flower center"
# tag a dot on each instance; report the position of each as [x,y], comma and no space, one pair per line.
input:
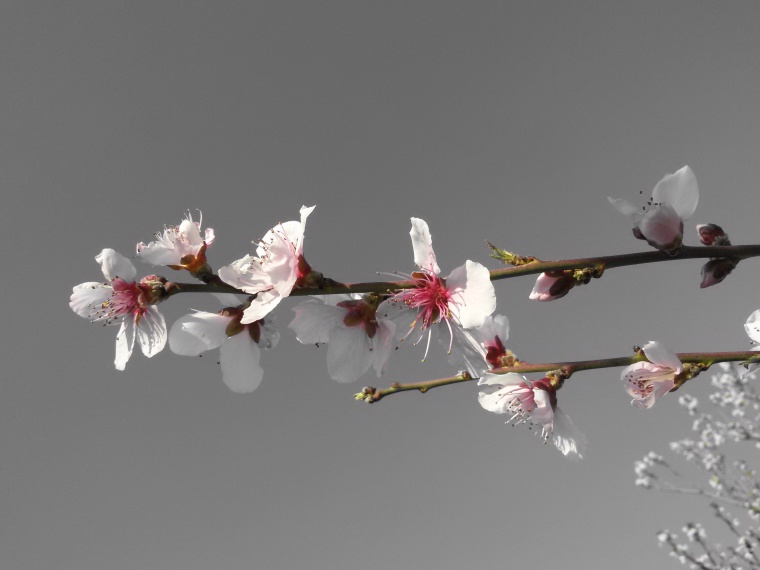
[495,349]
[429,298]
[360,313]
[127,298]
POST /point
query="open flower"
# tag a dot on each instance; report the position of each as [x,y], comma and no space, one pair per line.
[122,299]
[674,199]
[647,381]
[481,349]
[179,247]
[532,403]
[463,299]
[356,340]
[278,267]
[238,343]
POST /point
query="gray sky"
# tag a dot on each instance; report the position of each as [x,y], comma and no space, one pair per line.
[510,122]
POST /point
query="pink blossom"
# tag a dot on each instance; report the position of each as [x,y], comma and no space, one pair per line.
[179,247]
[532,403]
[238,343]
[275,271]
[356,339]
[647,381]
[674,199]
[463,299]
[124,300]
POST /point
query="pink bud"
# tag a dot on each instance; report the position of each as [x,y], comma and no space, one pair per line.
[712,234]
[716,270]
[552,285]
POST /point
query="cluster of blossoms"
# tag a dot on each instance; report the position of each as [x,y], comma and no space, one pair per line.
[729,480]
[361,330]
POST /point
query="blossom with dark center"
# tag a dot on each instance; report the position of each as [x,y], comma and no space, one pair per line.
[646,381]
[179,247]
[356,339]
[123,300]
[463,299]
[533,403]
[278,267]
[674,199]
[238,343]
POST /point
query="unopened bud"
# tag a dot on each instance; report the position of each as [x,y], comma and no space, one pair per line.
[712,234]
[716,270]
[552,285]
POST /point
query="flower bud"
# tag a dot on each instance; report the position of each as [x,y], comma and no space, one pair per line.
[712,234]
[552,285]
[716,270]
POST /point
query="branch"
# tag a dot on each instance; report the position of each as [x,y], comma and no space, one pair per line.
[563,369]
[527,266]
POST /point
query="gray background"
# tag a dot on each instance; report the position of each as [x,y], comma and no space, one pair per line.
[504,121]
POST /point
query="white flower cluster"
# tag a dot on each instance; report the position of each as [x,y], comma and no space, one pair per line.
[728,479]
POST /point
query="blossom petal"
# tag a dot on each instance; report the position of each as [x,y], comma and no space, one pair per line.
[467,352]
[509,379]
[151,332]
[568,438]
[752,326]
[114,264]
[383,345]
[261,306]
[349,353]
[662,227]
[657,354]
[189,229]
[244,274]
[278,261]
[239,359]
[314,320]
[198,332]
[402,317]
[473,294]
[125,342]
[624,207]
[422,244]
[542,414]
[86,297]
[680,190]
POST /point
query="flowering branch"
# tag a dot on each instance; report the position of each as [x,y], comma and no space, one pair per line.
[561,371]
[362,322]
[523,266]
